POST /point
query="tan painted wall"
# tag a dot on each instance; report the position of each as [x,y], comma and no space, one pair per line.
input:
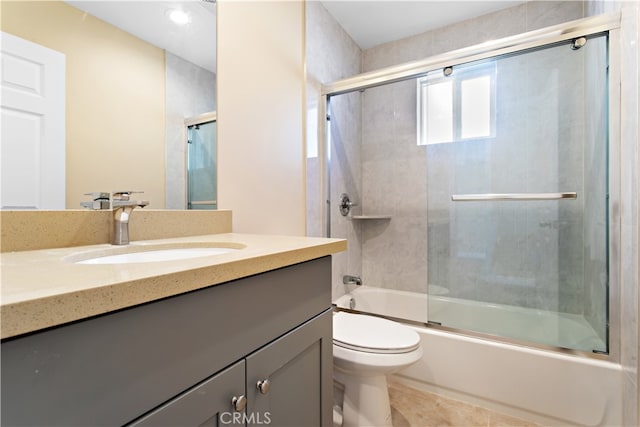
[115,99]
[260,122]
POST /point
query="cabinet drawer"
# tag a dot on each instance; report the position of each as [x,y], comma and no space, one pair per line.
[202,405]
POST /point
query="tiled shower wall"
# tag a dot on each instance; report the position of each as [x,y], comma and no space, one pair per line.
[333,55]
[625,299]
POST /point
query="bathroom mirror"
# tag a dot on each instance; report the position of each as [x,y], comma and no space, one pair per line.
[132,77]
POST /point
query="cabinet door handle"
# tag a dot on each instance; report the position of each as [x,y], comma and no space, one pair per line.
[239,403]
[264,386]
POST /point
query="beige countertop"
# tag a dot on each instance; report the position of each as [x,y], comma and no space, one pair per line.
[43,288]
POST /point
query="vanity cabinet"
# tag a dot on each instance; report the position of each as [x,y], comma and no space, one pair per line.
[282,386]
[181,360]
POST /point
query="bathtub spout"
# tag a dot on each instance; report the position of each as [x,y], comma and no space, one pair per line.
[352,280]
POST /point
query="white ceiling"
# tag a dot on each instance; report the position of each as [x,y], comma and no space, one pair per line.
[371,23]
[368,22]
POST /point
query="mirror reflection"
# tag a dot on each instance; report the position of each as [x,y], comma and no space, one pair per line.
[202,168]
[133,81]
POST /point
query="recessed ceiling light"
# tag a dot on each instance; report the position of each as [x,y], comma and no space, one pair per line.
[178,16]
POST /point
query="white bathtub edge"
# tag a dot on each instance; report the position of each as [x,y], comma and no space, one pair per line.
[549,388]
[543,386]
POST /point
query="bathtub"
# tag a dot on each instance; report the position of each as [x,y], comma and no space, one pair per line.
[548,387]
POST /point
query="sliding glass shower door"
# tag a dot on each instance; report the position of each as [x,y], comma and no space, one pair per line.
[480,190]
[517,194]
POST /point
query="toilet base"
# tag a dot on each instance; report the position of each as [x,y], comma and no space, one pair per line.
[366,400]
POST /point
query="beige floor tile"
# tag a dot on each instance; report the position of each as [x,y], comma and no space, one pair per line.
[416,408]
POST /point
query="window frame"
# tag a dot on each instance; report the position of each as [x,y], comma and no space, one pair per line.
[460,74]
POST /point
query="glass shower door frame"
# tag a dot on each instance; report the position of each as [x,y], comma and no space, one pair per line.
[559,33]
[188,123]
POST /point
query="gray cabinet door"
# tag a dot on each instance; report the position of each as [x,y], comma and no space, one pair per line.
[298,368]
[207,404]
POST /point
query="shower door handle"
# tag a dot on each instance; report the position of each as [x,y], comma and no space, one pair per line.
[494,197]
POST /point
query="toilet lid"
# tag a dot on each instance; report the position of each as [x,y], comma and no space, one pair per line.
[372,334]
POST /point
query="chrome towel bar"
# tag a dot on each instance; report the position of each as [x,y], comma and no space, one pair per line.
[512,197]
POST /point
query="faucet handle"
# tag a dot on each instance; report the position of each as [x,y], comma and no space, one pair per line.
[99,200]
[96,195]
[124,195]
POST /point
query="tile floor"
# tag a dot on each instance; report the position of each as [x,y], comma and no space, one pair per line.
[417,408]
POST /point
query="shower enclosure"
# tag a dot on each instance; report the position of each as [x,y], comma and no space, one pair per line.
[479,181]
[202,162]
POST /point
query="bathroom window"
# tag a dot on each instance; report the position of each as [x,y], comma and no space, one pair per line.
[457,104]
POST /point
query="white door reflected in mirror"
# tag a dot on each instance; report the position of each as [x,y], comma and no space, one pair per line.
[33,125]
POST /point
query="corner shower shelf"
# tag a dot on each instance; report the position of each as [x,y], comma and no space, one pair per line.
[379,217]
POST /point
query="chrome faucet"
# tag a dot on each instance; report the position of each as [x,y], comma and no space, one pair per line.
[351,280]
[122,207]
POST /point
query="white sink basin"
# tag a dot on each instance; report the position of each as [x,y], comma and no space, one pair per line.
[152,253]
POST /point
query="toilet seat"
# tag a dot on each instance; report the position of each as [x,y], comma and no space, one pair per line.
[371,334]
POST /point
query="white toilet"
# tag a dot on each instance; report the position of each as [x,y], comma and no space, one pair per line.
[365,349]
